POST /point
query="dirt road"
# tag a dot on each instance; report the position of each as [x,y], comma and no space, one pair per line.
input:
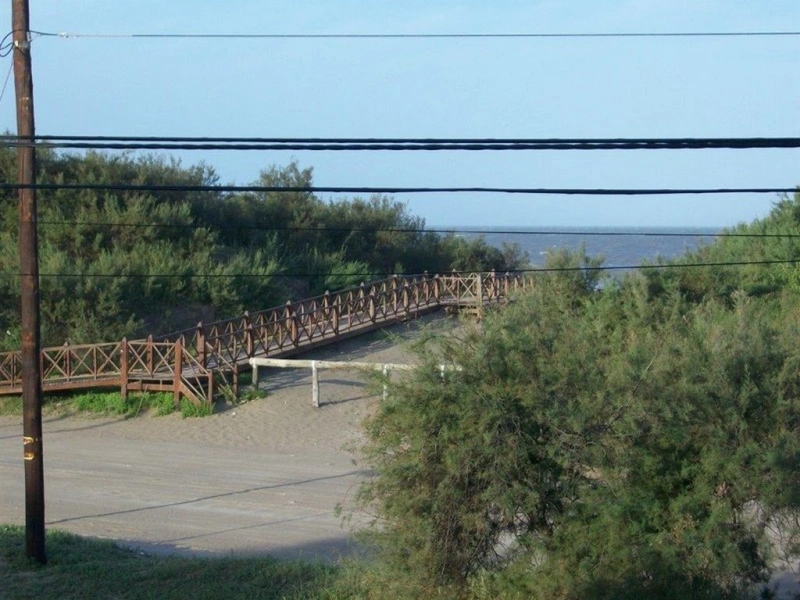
[262,477]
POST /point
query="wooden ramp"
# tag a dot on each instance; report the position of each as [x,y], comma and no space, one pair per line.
[193,363]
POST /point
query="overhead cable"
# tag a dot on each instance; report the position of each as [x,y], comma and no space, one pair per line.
[395,36]
[531,270]
[124,187]
[393,144]
[701,232]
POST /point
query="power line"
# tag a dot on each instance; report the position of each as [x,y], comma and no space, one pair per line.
[411,36]
[396,140]
[531,270]
[393,144]
[559,232]
[124,187]
[5,83]
[6,44]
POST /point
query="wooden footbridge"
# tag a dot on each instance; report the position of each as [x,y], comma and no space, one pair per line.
[193,363]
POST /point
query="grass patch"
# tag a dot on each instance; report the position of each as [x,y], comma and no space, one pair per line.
[247,393]
[80,568]
[10,406]
[112,403]
[189,409]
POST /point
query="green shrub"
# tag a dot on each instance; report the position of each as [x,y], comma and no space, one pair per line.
[594,444]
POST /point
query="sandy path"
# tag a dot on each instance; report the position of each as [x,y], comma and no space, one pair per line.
[262,477]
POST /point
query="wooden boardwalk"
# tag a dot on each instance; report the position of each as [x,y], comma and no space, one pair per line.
[193,363]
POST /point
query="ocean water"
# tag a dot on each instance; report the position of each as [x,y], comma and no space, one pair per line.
[620,246]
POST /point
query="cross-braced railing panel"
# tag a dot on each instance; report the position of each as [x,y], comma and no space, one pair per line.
[151,359]
[196,381]
[264,333]
[460,288]
[357,308]
[10,369]
[89,361]
[312,321]
[233,344]
[190,362]
[272,334]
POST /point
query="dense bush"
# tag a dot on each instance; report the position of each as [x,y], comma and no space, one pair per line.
[637,440]
[127,263]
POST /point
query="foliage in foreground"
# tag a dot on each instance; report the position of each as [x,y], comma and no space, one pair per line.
[632,442]
[81,568]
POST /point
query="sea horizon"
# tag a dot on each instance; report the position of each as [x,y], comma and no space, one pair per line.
[621,247]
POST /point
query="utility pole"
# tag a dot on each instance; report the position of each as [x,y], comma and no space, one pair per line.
[29,280]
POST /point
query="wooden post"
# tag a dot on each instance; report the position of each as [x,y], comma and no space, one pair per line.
[67,361]
[29,287]
[176,376]
[371,304]
[314,385]
[437,288]
[149,353]
[123,368]
[325,312]
[385,372]
[337,312]
[362,294]
[294,333]
[201,344]
[248,336]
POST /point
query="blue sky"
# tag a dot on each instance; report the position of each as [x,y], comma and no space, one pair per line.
[655,87]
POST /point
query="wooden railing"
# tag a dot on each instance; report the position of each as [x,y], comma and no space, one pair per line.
[184,362]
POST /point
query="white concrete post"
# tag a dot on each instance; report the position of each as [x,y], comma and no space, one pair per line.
[314,385]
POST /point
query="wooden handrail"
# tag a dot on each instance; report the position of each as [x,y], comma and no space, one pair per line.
[182,356]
